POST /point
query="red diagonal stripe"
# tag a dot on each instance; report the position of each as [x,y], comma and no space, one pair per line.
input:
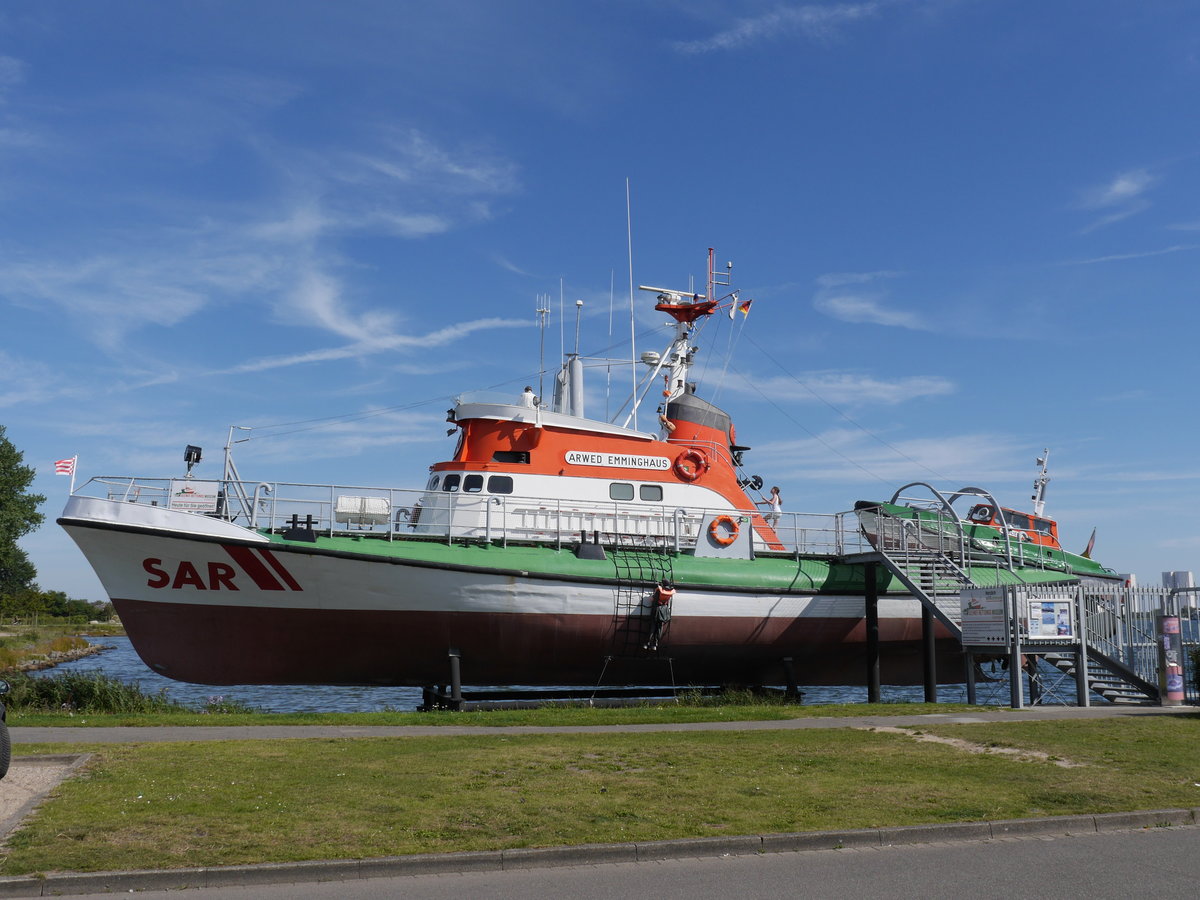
[280,570]
[253,567]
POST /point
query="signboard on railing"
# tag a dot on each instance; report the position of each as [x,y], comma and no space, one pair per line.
[984,617]
[1049,619]
[194,496]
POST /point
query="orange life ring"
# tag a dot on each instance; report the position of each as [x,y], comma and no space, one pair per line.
[723,538]
[691,464]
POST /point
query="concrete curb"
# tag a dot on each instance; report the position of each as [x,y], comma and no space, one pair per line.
[583,855]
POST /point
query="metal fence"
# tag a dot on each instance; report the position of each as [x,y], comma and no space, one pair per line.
[1117,623]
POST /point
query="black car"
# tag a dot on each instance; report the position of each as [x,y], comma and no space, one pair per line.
[5,745]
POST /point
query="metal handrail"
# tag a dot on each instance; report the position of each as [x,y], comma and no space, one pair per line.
[448,515]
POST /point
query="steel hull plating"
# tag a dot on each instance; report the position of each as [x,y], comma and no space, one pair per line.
[212,610]
[248,645]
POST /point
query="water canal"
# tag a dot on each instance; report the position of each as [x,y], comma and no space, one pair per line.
[122,663]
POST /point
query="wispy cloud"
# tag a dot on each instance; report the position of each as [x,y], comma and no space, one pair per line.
[407,187]
[1121,257]
[843,388]
[840,279]
[841,296]
[1121,189]
[109,294]
[865,308]
[848,455]
[1119,198]
[12,73]
[375,345]
[508,266]
[27,381]
[810,21]
[318,299]
[413,187]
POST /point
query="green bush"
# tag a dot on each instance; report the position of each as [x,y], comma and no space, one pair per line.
[93,692]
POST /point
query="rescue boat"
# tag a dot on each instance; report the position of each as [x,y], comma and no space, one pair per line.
[530,556]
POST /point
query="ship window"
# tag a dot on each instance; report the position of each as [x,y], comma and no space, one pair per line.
[500,484]
[473,484]
[451,483]
[511,456]
[1017,520]
[1042,525]
[619,490]
[650,491]
[433,483]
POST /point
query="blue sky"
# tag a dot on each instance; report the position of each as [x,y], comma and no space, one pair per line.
[971,229]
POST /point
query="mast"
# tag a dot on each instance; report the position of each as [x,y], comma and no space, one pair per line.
[632,330]
[1039,484]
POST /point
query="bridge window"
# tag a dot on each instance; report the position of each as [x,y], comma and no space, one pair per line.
[1018,520]
[650,492]
[433,483]
[500,484]
[473,484]
[619,490]
[451,483]
[511,456]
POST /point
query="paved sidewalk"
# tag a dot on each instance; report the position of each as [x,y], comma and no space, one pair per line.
[87,735]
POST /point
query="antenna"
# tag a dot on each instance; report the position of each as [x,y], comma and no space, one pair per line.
[543,312]
[632,335]
[578,316]
[612,281]
[1039,484]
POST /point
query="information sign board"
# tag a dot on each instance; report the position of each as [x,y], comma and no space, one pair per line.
[1049,619]
[984,619]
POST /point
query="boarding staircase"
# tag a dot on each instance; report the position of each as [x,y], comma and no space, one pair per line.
[1108,678]
[935,564]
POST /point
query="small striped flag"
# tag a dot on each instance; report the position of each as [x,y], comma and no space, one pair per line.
[65,466]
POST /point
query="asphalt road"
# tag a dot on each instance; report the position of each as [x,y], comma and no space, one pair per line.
[1159,862]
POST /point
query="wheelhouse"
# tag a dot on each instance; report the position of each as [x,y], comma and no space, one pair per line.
[1023,526]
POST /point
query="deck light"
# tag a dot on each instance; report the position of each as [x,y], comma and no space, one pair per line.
[191,456]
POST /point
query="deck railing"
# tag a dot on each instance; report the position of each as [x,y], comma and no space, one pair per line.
[399,514]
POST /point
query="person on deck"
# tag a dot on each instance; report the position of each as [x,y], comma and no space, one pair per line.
[775,505]
[528,398]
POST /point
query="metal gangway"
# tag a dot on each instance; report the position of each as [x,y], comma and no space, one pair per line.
[1109,648]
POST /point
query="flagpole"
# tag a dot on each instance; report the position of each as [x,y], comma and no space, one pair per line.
[74,463]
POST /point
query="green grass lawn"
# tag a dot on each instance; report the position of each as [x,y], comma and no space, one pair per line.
[737,710]
[195,804]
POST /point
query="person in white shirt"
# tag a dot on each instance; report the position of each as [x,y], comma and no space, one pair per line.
[774,503]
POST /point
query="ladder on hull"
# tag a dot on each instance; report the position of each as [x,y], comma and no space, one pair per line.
[638,569]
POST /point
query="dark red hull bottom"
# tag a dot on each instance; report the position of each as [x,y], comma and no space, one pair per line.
[219,645]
